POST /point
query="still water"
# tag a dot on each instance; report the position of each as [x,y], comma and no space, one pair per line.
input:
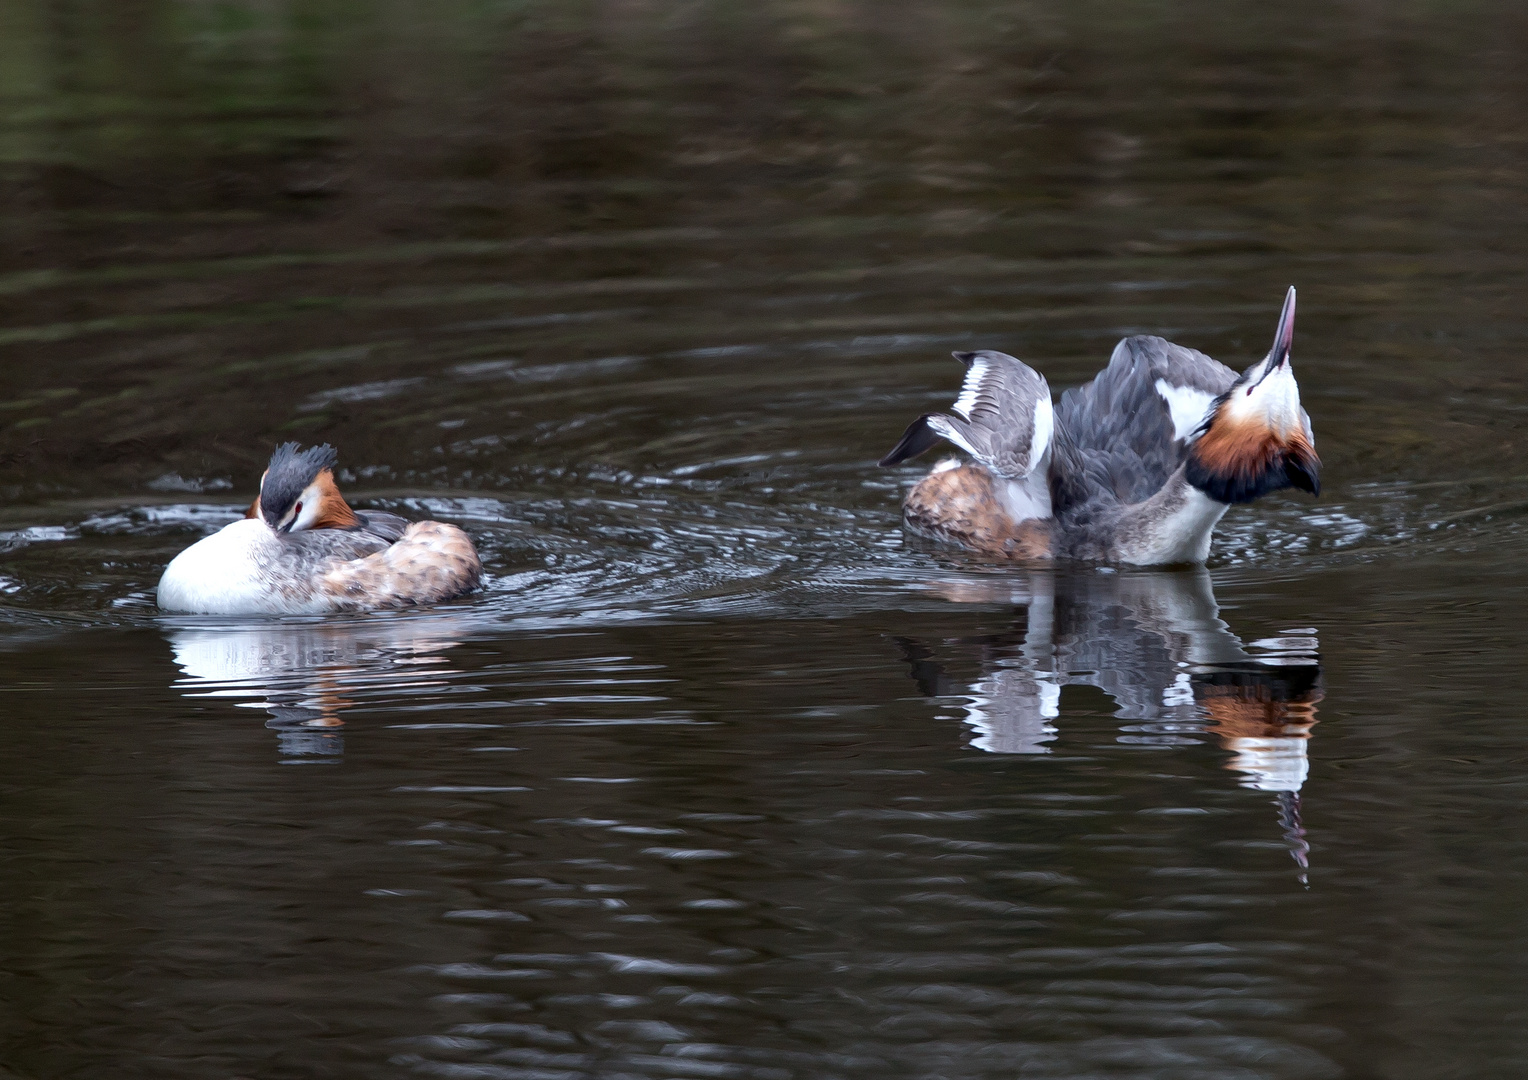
[723,775]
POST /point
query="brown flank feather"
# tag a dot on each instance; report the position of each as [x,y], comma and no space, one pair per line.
[960,506]
[431,562]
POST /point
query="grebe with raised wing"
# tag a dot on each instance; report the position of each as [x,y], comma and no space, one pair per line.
[1136,466]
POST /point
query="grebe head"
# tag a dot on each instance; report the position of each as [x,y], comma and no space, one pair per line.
[298,491]
[1256,438]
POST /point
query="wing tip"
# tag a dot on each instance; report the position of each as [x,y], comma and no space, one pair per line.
[918,438]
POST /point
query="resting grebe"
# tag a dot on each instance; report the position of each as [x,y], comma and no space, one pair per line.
[1135,467]
[301,550]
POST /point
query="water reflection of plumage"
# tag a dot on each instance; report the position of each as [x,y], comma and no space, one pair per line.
[1155,643]
[306,674]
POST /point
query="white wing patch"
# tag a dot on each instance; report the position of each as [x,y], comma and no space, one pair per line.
[967,399]
[1045,425]
[949,431]
[1187,405]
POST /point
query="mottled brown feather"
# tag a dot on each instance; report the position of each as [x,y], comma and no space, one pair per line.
[432,562]
[960,506]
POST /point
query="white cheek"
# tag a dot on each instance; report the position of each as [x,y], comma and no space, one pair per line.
[1240,406]
[310,500]
[1275,402]
[1283,404]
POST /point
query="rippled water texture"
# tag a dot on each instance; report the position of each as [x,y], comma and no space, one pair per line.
[722,775]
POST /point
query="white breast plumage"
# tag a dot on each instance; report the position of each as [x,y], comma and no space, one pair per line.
[225,574]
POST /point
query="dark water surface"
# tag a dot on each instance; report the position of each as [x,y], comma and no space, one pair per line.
[723,776]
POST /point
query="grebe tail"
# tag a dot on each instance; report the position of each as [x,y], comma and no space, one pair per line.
[1000,501]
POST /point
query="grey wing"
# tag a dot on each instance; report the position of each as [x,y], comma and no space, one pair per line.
[380,523]
[1002,418]
[1122,435]
[315,547]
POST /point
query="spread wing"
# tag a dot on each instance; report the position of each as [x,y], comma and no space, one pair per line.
[1002,418]
[1119,437]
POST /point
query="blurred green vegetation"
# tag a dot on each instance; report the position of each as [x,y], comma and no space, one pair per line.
[189,187]
[187,106]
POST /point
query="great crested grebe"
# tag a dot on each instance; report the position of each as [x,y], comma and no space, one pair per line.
[1135,467]
[301,550]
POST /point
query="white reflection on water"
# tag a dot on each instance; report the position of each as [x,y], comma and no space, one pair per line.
[305,674]
[1155,643]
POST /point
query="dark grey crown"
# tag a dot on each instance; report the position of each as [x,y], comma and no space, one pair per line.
[291,470]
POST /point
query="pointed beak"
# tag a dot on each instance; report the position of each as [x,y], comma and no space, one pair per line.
[1284,337]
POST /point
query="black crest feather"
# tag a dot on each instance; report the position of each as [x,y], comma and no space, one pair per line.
[291,470]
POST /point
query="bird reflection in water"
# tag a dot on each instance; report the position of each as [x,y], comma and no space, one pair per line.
[1156,644]
[307,674]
